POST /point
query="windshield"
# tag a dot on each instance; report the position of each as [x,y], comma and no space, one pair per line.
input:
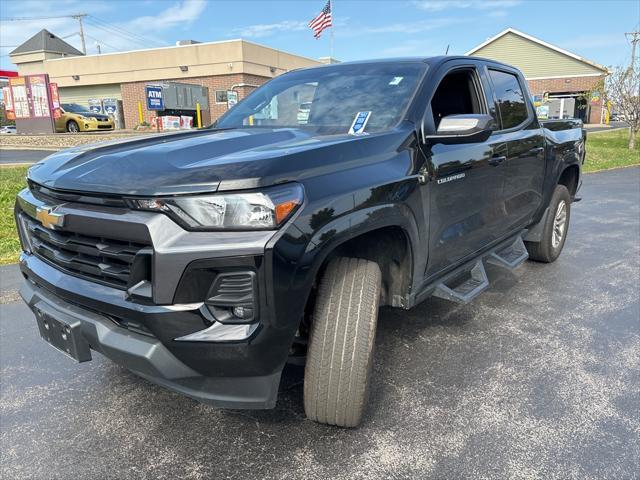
[75,108]
[329,99]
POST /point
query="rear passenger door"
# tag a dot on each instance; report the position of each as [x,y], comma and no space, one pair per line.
[525,163]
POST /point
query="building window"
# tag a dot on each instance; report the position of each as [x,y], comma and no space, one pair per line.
[511,103]
[221,96]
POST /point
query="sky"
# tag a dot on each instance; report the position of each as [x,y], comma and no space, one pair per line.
[362,28]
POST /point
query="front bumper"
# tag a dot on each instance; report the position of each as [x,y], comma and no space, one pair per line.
[92,125]
[144,355]
[149,325]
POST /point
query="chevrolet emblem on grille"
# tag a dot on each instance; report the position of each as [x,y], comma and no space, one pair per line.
[48,218]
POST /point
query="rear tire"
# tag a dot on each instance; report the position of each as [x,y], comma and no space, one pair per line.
[556,227]
[341,341]
[72,127]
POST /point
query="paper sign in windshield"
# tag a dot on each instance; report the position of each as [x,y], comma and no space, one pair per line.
[357,127]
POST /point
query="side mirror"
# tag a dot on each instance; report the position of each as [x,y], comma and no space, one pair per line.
[467,128]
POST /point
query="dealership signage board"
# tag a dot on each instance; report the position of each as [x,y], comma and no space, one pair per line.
[32,105]
[55,100]
[153,93]
[8,103]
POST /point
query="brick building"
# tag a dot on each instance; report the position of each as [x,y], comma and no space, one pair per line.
[562,83]
[235,65]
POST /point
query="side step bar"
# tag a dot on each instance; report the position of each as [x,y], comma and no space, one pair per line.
[508,257]
[467,290]
[511,256]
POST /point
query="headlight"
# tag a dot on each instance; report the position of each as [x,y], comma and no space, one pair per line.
[264,210]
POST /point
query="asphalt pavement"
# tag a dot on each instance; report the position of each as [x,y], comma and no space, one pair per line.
[537,378]
[22,156]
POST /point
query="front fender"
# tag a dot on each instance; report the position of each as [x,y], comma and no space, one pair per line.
[293,279]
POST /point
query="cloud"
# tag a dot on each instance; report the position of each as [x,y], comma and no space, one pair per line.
[180,14]
[440,5]
[403,27]
[594,40]
[142,31]
[410,48]
[268,29]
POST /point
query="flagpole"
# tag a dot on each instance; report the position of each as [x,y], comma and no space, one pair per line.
[332,27]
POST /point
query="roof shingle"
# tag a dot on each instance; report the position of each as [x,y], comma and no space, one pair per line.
[46,41]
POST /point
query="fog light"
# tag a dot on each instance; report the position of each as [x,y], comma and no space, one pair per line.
[243,312]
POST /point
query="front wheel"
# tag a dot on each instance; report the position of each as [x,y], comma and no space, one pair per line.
[341,341]
[554,233]
[73,127]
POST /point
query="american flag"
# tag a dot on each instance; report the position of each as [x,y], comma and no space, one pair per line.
[322,21]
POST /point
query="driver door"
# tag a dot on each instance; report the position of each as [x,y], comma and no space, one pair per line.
[465,200]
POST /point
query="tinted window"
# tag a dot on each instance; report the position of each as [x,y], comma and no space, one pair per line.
[455,95]
[511,103]
[328,99]
[75,108]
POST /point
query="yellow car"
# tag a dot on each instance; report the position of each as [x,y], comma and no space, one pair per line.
[76,118]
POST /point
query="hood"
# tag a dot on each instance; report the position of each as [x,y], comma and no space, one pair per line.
[205,161]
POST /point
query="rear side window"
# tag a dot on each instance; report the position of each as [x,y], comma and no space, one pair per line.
[511,103]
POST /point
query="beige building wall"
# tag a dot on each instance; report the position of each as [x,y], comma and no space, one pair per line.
[203,59]
[82,94]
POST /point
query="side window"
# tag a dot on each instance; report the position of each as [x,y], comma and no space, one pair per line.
[511,102]
[457,94]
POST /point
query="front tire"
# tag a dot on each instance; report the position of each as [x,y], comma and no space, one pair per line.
[554,233]
[341,342]
[72,127]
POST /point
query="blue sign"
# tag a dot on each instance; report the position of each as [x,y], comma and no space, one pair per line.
[95,105]
[357,127]
[110,105]
[154,97]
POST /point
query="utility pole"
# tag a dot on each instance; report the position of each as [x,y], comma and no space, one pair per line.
[634,38]
[79,17]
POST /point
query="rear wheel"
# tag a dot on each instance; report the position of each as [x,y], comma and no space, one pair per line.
[341,342]
[554,233]
[72,127]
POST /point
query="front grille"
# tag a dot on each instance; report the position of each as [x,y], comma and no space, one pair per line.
[116,263]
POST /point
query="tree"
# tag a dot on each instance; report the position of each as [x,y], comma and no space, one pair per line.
[623,90]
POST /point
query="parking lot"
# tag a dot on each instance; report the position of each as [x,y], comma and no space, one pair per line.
[538,378]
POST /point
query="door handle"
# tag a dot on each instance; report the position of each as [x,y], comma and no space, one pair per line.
[497,160]
[536,150]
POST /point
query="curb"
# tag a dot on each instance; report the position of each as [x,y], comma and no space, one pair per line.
[41,149]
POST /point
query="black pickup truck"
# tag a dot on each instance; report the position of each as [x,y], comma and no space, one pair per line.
[206,260]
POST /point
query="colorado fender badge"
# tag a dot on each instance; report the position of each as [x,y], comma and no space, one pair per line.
[357,127]
[451,178]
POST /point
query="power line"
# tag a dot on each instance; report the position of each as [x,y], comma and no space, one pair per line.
[100,23]
[102,43]
[75,16]
[21,19]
